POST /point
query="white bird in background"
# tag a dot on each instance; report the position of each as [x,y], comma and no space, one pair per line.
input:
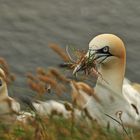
[115,94]
[51,108]
[9,108]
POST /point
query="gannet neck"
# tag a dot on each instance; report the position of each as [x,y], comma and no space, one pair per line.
[112,75]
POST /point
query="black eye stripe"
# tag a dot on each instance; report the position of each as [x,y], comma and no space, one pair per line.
[104,50]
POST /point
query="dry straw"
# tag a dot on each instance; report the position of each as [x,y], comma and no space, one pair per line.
[81,63]
[46,81]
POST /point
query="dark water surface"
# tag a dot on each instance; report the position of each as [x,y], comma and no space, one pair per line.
[28,26]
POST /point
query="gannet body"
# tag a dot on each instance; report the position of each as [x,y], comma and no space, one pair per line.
[133,98]
[131,92]
[109,52]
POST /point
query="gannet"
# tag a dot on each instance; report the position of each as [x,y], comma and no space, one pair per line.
[109,52]
[9,107]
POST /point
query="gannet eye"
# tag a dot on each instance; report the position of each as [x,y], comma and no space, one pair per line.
[0,82]
[105,49]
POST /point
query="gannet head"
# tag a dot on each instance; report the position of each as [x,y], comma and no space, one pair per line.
[105,48]
[109,53]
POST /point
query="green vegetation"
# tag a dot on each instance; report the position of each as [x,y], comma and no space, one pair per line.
[61,129]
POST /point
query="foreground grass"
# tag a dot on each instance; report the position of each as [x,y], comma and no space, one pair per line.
[60,129]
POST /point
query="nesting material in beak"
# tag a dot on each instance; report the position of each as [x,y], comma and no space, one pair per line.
[87,64]
[83,61]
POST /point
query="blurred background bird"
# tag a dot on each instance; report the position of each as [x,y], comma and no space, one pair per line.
[9,107]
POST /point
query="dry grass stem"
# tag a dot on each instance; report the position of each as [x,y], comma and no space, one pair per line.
[40,71]
[60,52]
[45,81]
[55,73]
